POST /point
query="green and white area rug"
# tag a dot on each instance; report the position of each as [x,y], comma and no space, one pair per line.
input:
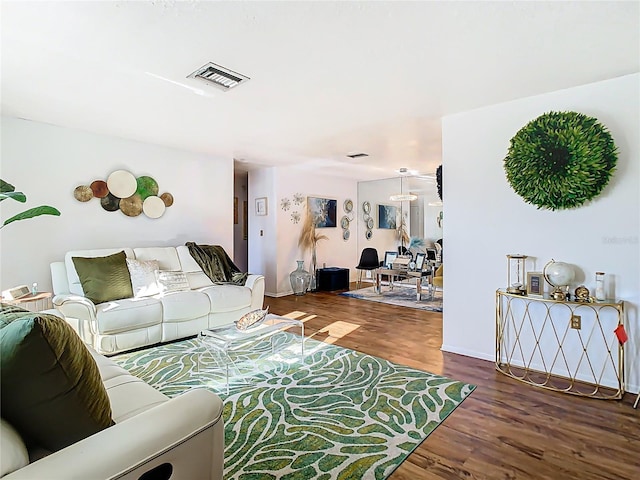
[401,295]
[339,415]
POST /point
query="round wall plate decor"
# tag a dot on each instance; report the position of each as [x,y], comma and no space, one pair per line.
[153,207]
[99,188]
[344,222]
[122,184]
[370,223]
[348,206]
[131,206]
[368,234]
[110,203]
[146,187]
[167,198]
[83,193]
[345,235]
[366,207]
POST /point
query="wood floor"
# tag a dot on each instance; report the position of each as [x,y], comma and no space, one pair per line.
[505,429]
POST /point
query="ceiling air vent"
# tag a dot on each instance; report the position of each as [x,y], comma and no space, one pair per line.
[357,155]
[218,76]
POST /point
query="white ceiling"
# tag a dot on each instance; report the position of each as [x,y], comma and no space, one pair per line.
[327,78]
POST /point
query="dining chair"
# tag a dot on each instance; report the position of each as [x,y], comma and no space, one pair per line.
[368,261]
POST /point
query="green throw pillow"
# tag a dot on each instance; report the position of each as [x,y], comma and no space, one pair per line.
[50,385]
[104,278]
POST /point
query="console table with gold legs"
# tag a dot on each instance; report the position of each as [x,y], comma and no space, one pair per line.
[565,346]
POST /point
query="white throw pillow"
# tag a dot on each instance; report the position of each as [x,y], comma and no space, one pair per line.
[143,277]
[172,281]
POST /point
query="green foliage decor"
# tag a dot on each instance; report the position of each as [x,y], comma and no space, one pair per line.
[560,160]
[9,191]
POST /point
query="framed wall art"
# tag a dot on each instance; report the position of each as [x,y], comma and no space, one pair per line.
[261,206]
[387,216]
[323,211]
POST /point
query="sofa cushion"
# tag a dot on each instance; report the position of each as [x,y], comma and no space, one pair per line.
[143,277]
[75,286]
[14,451]
[187,305]
[104,278]
[128,314]
[51,388]
[227,297]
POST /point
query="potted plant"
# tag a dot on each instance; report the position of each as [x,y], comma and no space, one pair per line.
[9,191]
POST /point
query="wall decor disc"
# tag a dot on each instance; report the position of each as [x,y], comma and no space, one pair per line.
[83,193]
[99,188]
[370,223]
[146,186]
[366,208]
[153,207]
[131,206]
[348,206]
[344,222]
[167,198]
[560,160]
[368,234]
[122,184]
[110,203]
[345,235]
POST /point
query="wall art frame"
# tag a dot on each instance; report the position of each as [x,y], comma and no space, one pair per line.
[261,206]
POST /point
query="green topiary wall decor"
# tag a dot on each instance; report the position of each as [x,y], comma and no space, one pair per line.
[560,160]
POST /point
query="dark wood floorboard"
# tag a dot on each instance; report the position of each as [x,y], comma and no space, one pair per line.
[505,429]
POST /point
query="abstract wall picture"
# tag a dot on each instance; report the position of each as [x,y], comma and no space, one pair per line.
[123,191]
[387,216]
[323,211]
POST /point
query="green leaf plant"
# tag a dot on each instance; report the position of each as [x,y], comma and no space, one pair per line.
[9,191]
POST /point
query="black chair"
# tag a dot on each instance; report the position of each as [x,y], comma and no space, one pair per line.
[368,261]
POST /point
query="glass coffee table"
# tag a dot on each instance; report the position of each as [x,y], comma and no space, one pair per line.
[229,346]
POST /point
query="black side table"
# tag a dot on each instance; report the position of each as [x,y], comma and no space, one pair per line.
[332,278]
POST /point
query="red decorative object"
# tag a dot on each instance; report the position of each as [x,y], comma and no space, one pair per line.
[621,334]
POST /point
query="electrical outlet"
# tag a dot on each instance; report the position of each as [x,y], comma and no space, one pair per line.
[576,322]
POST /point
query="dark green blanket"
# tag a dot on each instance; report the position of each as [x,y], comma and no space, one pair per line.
[216,264]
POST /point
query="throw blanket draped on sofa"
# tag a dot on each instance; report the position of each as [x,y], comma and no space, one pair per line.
[216,264]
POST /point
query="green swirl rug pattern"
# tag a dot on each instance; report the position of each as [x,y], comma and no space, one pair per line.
[339,415]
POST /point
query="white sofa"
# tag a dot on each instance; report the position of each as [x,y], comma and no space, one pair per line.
[121,325]
[152,435]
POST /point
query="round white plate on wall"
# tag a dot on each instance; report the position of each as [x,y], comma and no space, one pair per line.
[122,184]
[153,207]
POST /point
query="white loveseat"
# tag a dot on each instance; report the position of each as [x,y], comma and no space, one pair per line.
[120,325]
[182,437]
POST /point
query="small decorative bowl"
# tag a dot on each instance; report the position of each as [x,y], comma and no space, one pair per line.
[251,319]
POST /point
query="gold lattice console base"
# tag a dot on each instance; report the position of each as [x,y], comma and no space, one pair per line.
[564,346]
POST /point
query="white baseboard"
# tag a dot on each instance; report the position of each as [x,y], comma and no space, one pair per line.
[467,353]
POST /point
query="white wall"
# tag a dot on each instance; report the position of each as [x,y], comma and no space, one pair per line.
[263,236]
[276,251]
[485,219]
[47,162]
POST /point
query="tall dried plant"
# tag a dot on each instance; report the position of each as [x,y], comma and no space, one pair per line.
[308,240]
[308,235]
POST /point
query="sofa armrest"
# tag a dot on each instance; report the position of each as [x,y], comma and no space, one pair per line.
[185,432]
[256,284]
